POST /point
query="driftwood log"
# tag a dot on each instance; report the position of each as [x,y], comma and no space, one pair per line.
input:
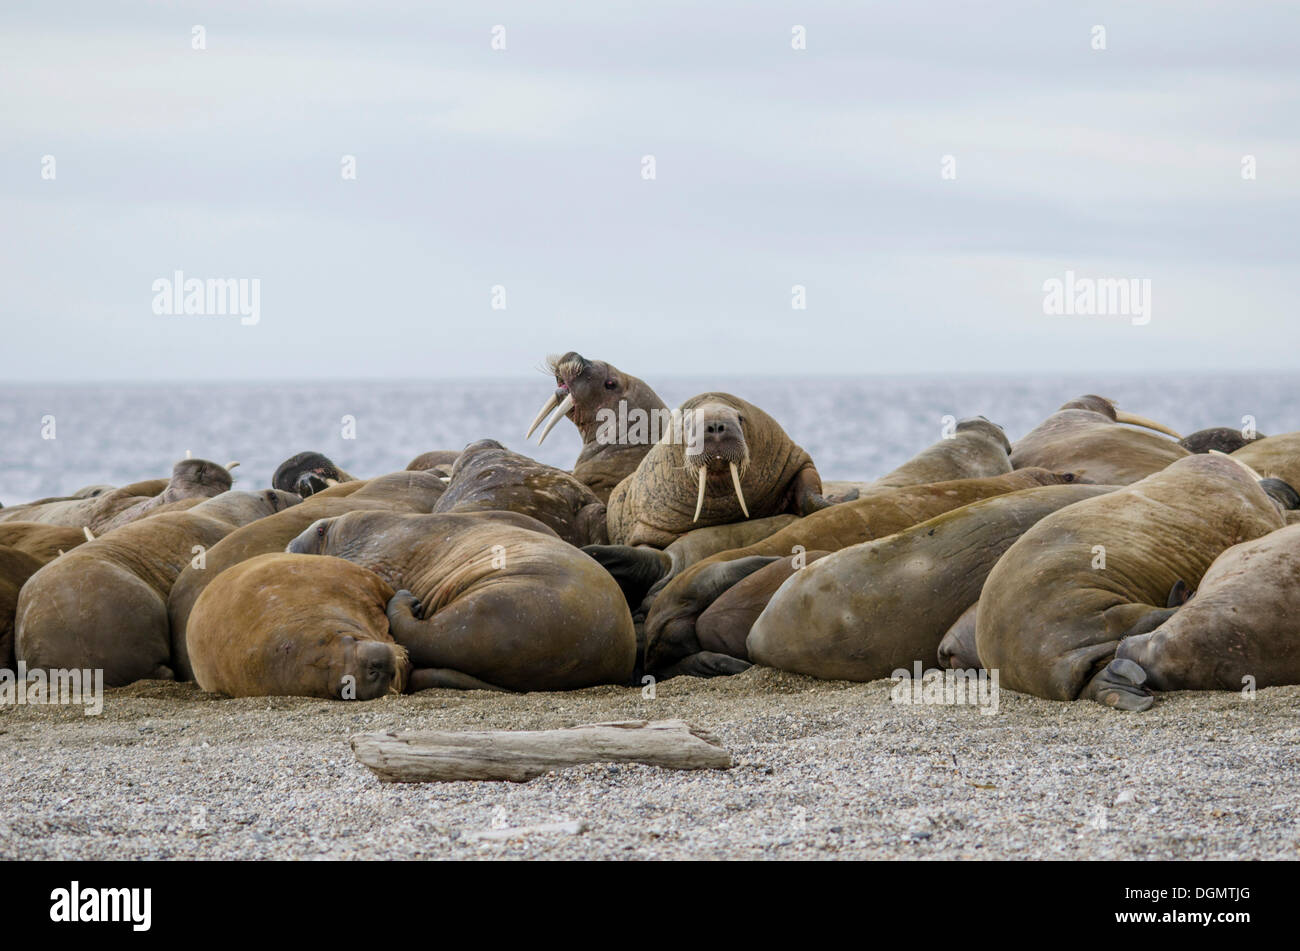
[518,756]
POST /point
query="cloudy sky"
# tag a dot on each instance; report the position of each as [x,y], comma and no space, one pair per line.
[523,168]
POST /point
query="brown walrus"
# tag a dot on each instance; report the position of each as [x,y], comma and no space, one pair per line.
[15,568]
[618,416]
[489,477]
[294,625]
[488,599]
[414,492]
[104,604]
[976,449]
[957,650]
[670,636]
[42,542]
[1274,456]
[191,478]
[873,608]
[1240,629]
[724,626]
[1056,606]
[724,461]
[1085,437]
[440,461]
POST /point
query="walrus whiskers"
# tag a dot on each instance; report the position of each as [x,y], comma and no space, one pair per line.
[740,496]
[549,405]
[560,412]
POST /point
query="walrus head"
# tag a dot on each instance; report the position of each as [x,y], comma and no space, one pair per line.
[307,473]
[1222,438]
[716,451]
[1099,404]
[981,424]
[191,477]
[376,668]
[585,387]
[311,541]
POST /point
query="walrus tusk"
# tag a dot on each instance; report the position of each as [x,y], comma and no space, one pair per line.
[549,405]
[699,502]
[735,480]
[1136,420]
[560,413]
[231,465]
[1253,474]
[90,536]
[331,482]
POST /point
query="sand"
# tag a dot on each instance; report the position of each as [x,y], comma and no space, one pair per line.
[823,770]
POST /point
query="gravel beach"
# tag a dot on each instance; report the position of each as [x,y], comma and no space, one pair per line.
[822,770]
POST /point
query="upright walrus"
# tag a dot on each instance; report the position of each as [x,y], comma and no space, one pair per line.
[1059,602]
[616,414]
[976,449]
[104,604]
[488,599]
[293,625]
[869,609]
[1085,437]
[489,477]
[670,635]
[1241,628]
[724,460]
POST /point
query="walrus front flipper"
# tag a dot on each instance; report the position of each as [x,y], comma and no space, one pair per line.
[706,664]
[637,569]
[1120,686]
[427,678]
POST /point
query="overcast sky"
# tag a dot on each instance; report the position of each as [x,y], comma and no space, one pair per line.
[523,168]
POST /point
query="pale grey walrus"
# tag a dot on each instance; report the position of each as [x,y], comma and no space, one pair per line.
[618,416]
[1085,436]
[488,599]
[1274,456]
[1240,629]
[869,609]
[1059,602]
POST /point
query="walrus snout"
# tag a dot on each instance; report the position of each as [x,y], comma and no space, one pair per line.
[376,669]
[307,473]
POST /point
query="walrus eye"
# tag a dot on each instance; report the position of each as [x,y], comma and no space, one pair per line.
[610,384]
[320,531]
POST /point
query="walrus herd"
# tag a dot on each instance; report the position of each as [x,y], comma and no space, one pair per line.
[1101,556]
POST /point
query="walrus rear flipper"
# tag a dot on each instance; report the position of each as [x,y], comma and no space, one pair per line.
[637,569]
[1120,685]
[427,678]
[705,664]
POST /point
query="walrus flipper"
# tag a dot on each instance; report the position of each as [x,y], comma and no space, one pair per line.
[705,664]
[427,678]
[1120,686]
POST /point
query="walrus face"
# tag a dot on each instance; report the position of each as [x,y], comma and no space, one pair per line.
[582,389]
[312,539]
[306,474]
[199,477]
[716,451]
[370,669]
[1107,408]
[981,424]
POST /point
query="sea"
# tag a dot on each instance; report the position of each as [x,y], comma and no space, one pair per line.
[57,438]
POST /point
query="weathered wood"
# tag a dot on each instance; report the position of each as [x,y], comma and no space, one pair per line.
[518,756]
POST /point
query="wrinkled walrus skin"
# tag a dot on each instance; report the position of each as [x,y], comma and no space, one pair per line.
[869,609]
[655,505]
[296,625]
[1086,437]
[42,542]
[1242,627]
[489,477]
[670,621]
[488,599]
[1274,456]
[104,604]
[1050,621]
[977,449]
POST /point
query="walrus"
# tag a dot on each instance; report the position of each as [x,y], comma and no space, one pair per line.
[1056,606]
[191,478]
[295,625]
[1241,627]
[1218,439]
[42,542]
[15,568]
[724,626]
[1276,456]
[307,473]
[1085,437]
[670,636]
[104,604]
[440,461]
[724,460]
[869,609]
[976,449]
[489,477]
[617,416]
[957,649]
[487,599]
[407,491]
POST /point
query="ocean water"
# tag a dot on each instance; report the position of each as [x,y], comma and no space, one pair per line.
[855,428]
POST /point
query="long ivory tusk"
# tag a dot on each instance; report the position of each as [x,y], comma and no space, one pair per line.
[735,480]
[90,536]
[1241,462]
[560,413]
[231,465]
[1136,420]
[549,405]
[699,502]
